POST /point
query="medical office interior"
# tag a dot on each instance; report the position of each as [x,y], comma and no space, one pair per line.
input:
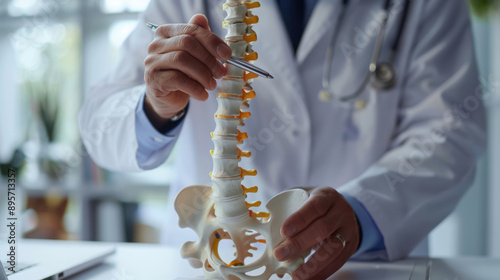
[52,51]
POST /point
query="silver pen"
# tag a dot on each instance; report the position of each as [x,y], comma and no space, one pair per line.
[240,63]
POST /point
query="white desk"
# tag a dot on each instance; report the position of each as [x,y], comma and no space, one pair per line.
[146,261]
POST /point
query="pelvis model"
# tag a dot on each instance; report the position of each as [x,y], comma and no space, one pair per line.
[220,212]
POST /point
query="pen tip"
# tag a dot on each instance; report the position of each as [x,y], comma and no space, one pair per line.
[269,76]
[152,26]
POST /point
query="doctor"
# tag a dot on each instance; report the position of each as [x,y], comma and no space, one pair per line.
[389,163]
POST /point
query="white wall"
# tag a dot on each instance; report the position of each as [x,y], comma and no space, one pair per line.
[494,145]
[11,115]
[474,227]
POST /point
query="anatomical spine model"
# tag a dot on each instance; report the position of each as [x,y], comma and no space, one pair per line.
[221,212]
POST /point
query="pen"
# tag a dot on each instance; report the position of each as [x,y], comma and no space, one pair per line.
[240,63]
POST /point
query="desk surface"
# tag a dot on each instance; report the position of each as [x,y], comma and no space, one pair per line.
[148,261]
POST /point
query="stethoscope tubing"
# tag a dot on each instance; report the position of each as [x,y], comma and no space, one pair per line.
[374,62]
[372,68]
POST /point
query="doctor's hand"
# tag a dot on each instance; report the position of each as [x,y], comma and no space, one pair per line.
[182,62]
[322,224]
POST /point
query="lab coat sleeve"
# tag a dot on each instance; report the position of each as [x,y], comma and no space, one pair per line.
[150,141]
[107,118]
[440,133]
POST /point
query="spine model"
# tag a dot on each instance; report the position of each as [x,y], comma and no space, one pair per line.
[228,193]
[221,212]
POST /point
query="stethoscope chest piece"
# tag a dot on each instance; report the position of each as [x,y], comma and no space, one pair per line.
[383,77]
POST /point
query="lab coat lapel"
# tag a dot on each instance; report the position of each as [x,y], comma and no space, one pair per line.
[276,56]
[322,22]
[274,47]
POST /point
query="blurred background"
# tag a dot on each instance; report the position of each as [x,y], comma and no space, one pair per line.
[52,51]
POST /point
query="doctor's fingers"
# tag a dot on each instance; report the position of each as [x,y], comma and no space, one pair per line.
[183,62]
[191,45]
[318,204]
[164,83]
[313,235]
[328,258]
[211,42]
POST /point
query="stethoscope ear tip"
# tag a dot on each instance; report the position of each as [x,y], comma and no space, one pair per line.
[324,95]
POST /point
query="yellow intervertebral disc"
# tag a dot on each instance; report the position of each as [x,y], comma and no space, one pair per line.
[241,136]
[250,37]
[251,56]
[243,153]
[245,172]
[227,95]
[253,204]
[251,20]
[249,5]
[253,189]
[252,5]
[261,214]
[247,95]
[249,76]
[243,115]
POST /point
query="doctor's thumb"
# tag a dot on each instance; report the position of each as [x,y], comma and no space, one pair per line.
[201,21]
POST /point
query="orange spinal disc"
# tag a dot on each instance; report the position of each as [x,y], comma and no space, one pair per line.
[226,95]
[248,95]
[243,115]
[226,117]
[249,75]
[251,20]
[251,56]
[253,189]
[261,214]
[243,153]
[241,136]
[250,37]
[245,172]
[253,204]
[252,5]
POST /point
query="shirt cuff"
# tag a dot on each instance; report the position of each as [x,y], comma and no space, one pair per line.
[371,238]
[149,139]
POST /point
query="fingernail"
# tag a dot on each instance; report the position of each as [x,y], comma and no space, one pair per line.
[205,96]
[213,84]
[224,51]
[281,252]
[288,231]
[219,71]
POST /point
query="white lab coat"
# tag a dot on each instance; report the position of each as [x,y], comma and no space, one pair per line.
[408,156]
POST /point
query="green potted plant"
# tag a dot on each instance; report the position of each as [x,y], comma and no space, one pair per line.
[484,8]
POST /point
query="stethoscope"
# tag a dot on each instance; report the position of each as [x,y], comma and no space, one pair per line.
[381,75]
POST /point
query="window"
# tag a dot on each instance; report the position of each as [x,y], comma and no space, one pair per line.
[52,51]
